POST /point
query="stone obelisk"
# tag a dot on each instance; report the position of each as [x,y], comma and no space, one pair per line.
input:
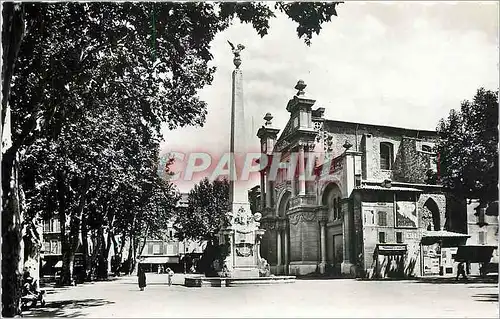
[242,235]
[238,189]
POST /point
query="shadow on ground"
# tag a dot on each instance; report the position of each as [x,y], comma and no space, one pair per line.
[65,308]
[321,277]
[486,297]
[469,280]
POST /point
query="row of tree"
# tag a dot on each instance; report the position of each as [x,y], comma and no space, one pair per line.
[86,88]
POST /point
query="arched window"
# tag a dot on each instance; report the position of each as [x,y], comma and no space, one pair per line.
[386,155]
[331,198]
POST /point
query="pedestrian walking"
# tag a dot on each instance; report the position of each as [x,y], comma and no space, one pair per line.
[141,277]
[461,270]
[170,274]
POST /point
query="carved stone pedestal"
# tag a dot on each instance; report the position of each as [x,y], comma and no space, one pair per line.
[243,237]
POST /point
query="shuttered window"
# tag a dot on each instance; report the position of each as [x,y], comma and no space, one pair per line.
[381,237]
[382,218]
[386,155]
[399,237]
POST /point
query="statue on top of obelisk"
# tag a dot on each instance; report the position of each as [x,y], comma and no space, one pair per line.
[236,52]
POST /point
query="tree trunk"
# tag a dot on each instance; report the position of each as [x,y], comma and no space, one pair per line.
[64,224]
[12,218]
[12,241]
[134,255]
[131,248]
[72,237]
[86,248]
[12,36]
[122,245]
[32,248]
[102,269]
[93,256]
[130,257]
[139,248]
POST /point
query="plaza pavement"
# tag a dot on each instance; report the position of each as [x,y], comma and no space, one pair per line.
[305,298]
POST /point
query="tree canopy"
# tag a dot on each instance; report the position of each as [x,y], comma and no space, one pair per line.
[88,87]
[468,148]
[208,204]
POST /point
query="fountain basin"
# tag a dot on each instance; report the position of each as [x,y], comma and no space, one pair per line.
[202,281]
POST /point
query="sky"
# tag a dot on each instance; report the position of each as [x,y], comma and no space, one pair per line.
[404,64]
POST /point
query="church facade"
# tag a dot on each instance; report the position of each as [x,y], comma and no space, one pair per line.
[367,205]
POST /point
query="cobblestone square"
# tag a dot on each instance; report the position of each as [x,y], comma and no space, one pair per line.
[304,298]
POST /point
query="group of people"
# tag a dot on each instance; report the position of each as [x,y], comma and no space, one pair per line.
[141,276]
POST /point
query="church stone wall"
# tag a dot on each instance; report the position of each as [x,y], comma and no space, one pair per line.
[411,162]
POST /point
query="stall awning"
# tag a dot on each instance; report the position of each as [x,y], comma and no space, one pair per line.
[475,253]
[391,249]
[449,238]
[58,264]
[443,234]
[160,260]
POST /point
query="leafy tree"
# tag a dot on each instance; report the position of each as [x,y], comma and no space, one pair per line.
[468,148]
[206,211]
[202,219]
[147,60]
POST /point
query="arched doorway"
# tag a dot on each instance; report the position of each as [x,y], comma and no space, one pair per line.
[331,200]
[282,234]
[432,255]
[430,215]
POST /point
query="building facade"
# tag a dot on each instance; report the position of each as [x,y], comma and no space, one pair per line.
[348,198]
[482,226]
[51,253]
[158,254]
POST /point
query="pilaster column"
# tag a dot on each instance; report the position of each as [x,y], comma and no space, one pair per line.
[269,192]
[302,174]
[323,241]
[262,191]
[322,227]
[346,266]
[345,232]
[278,246]
[286,249]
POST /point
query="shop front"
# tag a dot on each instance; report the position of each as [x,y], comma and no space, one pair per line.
[159,264]
[483,259]
[439,249]
[390,260]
